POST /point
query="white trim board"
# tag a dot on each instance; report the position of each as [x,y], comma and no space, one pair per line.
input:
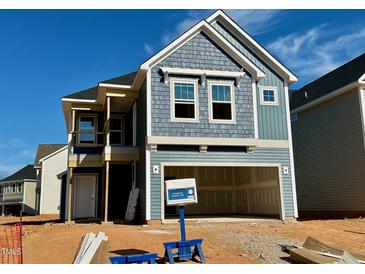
[78,100]
[210,141]
[203,26]
[253,45]
[291,153]
[220,164]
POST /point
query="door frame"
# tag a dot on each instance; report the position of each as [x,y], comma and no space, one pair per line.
[221,164]
[75,175]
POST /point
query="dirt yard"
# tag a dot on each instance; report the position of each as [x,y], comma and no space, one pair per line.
[48,241]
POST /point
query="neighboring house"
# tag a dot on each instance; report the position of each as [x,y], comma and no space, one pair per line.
[17,192]
[213,105]
[328,138]
[50,161]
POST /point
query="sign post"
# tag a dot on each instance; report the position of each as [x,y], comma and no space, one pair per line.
[181,192]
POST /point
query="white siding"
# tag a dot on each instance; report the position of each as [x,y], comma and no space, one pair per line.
[50,184]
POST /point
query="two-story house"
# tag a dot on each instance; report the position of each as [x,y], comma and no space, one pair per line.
[212,105]
[17,192]
[329,140]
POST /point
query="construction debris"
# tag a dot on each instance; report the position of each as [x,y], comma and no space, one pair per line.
[314,251]
[92,249]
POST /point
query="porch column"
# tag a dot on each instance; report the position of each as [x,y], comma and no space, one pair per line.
[106,199]
[108,121]
[69,194]
[3,210]
[73,122]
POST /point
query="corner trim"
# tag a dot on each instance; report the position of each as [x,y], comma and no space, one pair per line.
[291,154]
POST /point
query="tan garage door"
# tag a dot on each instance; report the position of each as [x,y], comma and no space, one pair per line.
[231,190]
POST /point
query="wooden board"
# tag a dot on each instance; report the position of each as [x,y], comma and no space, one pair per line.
[91,250]
[314,244]
[101,254]
[307,256]
[85,242]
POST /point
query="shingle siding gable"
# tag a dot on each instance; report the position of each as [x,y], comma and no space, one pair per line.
[200,53]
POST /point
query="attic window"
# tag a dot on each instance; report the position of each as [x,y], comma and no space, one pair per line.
[269,96]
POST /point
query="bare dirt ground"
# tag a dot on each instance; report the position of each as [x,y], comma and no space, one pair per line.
[48,241]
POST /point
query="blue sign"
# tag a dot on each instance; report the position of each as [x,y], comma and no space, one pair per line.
[181,193]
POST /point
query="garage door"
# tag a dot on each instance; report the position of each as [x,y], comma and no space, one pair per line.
[230,190]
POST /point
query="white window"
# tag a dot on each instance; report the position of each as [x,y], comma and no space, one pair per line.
[13,188]
[116,130]
[269,96]
[221,102]
[87,129]
[184,100]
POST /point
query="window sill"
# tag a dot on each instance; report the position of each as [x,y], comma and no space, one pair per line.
[182,120]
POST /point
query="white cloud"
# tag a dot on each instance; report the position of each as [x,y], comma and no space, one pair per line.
[319,49]
[254,21]
[11,143]
[148,48]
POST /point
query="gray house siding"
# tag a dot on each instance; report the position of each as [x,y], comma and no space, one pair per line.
[200,53]
[261,155]
[271,119]
[141,164]
[329,156]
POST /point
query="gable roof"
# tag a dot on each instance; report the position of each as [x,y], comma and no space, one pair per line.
[27,172]
[45,150]
[347,74]
[255,46]
[86,94]
[213,34]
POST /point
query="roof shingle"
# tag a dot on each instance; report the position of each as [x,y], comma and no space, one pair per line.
[27,172]
[336,79]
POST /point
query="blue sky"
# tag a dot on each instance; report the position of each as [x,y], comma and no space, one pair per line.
[47,54]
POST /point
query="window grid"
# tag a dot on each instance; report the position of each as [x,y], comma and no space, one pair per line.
[221,94]
[183,93]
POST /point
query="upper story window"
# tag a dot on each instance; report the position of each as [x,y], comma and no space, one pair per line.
[184,100]
[116,130]
[221,102]
[19,187]
[13,186]
[1,189]
[87,129]
[269,96]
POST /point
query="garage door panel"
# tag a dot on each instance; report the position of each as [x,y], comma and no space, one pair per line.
[232,190]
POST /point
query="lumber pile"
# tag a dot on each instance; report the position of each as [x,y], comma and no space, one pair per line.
[92,249]
[314,251]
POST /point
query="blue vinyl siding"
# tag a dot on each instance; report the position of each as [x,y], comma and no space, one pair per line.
[261,155]
[271,119]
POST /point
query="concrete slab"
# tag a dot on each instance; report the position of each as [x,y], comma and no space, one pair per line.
[202,220]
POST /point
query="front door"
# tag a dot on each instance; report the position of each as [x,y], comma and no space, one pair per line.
[85,188]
